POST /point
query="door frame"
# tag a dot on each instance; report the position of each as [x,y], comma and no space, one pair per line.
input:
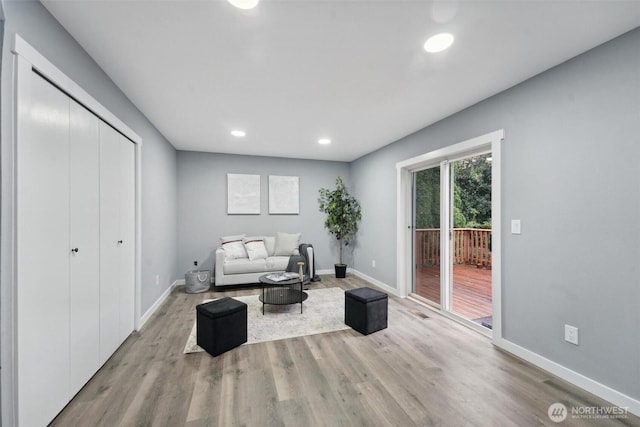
[26,60]
[404,232]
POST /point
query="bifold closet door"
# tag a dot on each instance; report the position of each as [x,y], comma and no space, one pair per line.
[75,247]
[117,210]
[84,233]
[43,251]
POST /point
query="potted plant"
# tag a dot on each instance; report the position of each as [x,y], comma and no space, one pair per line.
[343,215]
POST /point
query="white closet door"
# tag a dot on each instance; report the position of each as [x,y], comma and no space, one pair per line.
[127,235]
[85,237]
[110,337]
[43,251]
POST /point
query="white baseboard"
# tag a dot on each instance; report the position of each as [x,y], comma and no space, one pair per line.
[365,277]
[607,393]
[158,303]
[376,282]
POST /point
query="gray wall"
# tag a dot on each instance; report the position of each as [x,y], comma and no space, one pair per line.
[570,173]
[202,204]
[159,224]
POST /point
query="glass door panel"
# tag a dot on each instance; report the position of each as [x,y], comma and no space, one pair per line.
[427,234]
[471,239]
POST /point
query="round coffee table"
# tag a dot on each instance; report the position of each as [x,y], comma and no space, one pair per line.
[281,292]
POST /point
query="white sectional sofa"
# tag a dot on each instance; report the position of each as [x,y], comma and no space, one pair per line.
[242,259]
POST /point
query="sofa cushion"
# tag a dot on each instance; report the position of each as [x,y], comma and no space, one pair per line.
[255,248]
[244,265]
[277,263]
[287,244]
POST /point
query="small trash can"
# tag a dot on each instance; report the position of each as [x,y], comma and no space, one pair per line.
[197,281]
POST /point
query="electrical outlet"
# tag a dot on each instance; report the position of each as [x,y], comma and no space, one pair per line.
[373,263]
[571,334]
[157,279]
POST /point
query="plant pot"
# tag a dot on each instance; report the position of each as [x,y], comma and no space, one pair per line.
[341,271]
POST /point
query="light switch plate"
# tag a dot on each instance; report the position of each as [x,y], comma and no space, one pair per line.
[515,226]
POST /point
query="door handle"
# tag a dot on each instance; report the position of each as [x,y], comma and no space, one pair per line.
[120,242]
[75,250]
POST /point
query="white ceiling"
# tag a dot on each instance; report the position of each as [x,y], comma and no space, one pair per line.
[292,71]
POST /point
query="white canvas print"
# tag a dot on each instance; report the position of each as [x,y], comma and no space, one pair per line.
[284,195]
[243,194]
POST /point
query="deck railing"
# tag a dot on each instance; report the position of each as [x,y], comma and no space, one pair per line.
[470,246]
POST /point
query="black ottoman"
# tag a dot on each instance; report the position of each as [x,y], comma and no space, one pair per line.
[221,325]
[365,310]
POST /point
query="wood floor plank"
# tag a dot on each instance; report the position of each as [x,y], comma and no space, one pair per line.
[204,399]
[287,381]
[423,370]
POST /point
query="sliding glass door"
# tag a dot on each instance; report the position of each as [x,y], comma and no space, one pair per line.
[452,237]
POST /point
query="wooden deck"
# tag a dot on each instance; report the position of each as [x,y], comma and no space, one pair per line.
[471,289]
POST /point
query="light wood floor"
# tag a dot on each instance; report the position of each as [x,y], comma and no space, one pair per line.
[423,370]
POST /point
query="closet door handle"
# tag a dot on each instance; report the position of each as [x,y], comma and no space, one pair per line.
[74,250]
[120,242]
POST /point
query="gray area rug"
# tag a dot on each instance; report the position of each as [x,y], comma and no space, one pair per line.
[323,312]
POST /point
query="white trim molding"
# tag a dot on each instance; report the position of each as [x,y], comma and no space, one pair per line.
[376,282]
[605,392]
[156,305]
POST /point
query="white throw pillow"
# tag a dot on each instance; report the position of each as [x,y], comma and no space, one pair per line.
[255,248]
[270,244]
[234,249]
[287,244]
[225,239]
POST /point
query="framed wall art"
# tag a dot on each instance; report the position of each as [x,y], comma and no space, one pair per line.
[284,195]
[243,194]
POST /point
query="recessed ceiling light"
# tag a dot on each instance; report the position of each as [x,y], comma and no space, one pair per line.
[244,4]
[238,133]
[324,141]
[438,43]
